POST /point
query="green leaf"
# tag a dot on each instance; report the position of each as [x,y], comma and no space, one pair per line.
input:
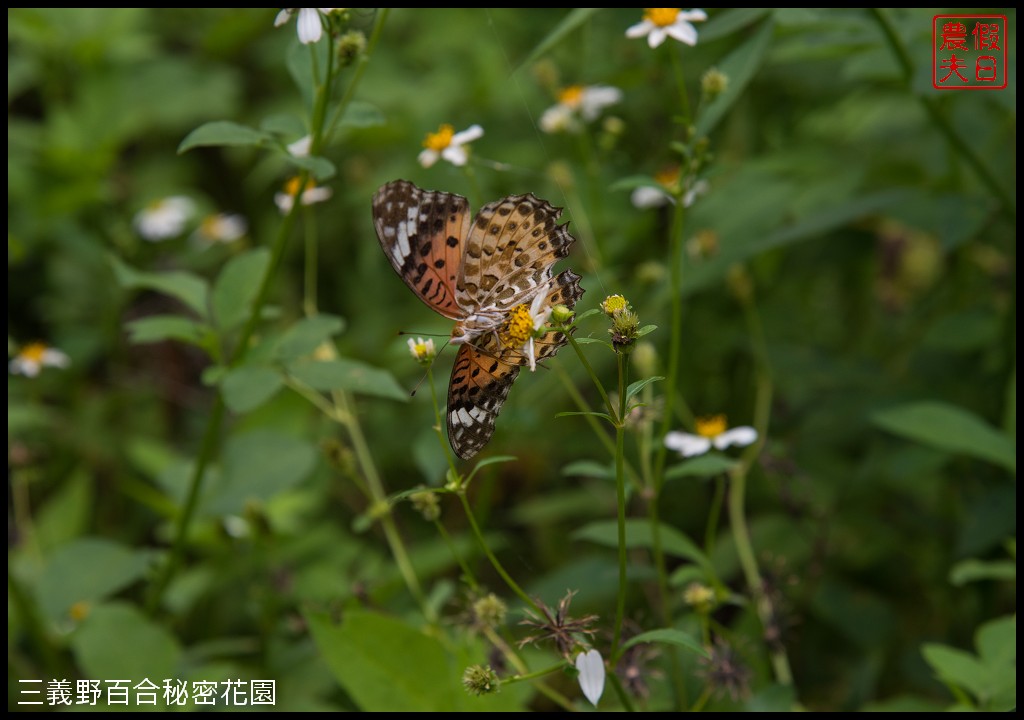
[223,132]
[973,570]
[729,21]
[361,114]
[668,636]
[258,465]
[236,287]
[588,468]
[246,388]
[570,22]
[590,340]
[646,330]
[707,465]
[385,665]
[346,374]
[957,667]
[158,328]
[639,535]
[306,335]
[949,428]
[146,649]
[190,289]
[639,385]
[740,66]
[606,416]
[320,168]
[87,570]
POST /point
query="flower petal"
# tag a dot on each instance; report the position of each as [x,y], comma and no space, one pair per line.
[310,27]
[684,32]
[687,444]
[640,29]
[596,98]
[591,668]
[657,37]
[738,436]
[428,157]
[695,15]
[55,358]
[282,17]
[468,135]
[648,197]
[300,148]
[456,155]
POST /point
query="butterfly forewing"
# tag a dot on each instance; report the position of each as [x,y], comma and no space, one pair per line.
[422,232]
[476,392]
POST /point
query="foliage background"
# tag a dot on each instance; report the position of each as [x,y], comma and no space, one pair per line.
[885,279]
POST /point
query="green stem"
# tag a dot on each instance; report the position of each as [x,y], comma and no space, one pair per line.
[714,513]
[361,64]
[677,70]
[309,303]
[620,492]
[590,371]
[467,574]
[675,341]
[517,662]
[620,691]
[963,148]
[512,584]
[533,675]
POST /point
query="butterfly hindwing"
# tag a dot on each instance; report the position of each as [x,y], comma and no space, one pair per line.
[422,233]
[476,392]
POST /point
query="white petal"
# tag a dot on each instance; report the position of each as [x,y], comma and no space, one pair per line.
[310,27]
[300,148]
[657,37]
[699,188]
[695,15]
[684,32]
[55,358]
[557,118]
[316,194]
[282,18]
[640,29]
[284,202]
[428,157]
[468,135]
[598,97]
[648,197]
[738,436]
[591,669]
[531,354]
[455,154]
[687,444]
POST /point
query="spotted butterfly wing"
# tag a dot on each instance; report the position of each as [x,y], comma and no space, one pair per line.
[477,273]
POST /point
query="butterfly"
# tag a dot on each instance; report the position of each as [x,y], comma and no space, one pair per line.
[492,275]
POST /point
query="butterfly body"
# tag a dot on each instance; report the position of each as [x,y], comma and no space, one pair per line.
[487,273]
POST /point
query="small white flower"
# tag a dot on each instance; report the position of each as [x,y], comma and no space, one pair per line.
[311,195]
[310,26]
[300,148]
[578,101]
[711,431]
[165,218]
[660,23]
[222,227]
[591,668]
[34,356]
[648,196]
[448,145]
[422,350]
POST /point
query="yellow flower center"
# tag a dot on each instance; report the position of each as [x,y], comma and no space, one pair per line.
[662,17]
[441,139]
[33,352]
[711,426]
[518,328]
[669,177]
[292,187]
[571,96]
[613,304]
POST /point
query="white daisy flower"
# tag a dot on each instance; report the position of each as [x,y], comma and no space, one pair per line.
[591,668]
[222,227]
[524,324]
[310,195]
[446,144]
[310,26]
[422,350]
[660,23]
[578,101]
[34,356]
[711,432]
[165,218]
[648,196]
[300,148]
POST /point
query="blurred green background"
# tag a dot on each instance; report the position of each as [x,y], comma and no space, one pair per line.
[882,264]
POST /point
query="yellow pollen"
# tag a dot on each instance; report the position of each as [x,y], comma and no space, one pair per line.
[662,17]
[292,186]
[33,352]
[614,304]
[518,328]
[711,426]
[441,139]
[571,96]
[669,177]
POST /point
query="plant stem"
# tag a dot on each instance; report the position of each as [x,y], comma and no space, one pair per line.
[620,492]
[590,372]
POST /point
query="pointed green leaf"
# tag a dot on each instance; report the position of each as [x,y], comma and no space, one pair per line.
[949,428]
[158,328]
[222,132]
[320,168]
[236,287]
[639,385]
[606,416]
[669,636]
[588,468]
[190,289]
[570,22]
[707,465]
[346,374]
[147,650]
[639,535]
[973,570]
[739,66]
[306,335]
[246,388]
